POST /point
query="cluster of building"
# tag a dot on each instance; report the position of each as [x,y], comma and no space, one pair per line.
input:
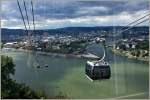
[125,44]
[136,47]
[42,42]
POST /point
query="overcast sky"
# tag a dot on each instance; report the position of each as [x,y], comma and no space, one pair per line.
[50,14]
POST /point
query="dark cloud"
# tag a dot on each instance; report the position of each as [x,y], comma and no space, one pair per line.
[59,10]
[117,7]
[66,9]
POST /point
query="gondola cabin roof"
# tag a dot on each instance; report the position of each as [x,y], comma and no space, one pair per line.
[97,63]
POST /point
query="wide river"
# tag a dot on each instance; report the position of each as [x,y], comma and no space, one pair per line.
[66,76]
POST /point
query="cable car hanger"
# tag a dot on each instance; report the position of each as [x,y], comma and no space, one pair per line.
[99,69]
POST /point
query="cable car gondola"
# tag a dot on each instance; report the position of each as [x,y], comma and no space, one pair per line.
[96,70]
[100,69]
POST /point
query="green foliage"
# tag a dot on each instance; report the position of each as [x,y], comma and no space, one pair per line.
[7,67]
[64,51]
[61,96]
[144,45]
[2,45]
[135,53]
[76,46]
[10,89]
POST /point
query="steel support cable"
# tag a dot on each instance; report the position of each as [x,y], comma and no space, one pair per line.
[104,54]
[136,21]
[22,16]
[134,25]
[36,58]
[33,15]
[26,14]
[103,57]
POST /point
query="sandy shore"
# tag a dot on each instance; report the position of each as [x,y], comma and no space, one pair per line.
[129,56]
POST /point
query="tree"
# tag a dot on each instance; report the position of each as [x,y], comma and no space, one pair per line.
[10,89]
[7,67]
[144,45]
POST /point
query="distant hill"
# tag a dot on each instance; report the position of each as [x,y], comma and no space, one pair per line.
[7,33]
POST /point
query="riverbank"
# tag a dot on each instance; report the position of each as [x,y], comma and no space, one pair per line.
[128,55]
[67,76]
[84,56]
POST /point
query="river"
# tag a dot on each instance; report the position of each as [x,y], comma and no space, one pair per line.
[66,76]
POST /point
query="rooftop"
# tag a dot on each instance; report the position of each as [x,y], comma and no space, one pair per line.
[97,63]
